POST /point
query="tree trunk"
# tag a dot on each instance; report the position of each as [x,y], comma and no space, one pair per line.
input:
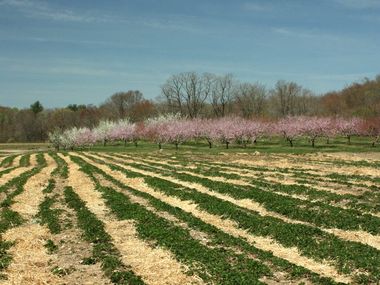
[313,142]
[328,140]
[125,143]
[209,144]
[349,139]
[227,143]
[291,142]
[159,146]
[176,146]
[135,143]
[104,142]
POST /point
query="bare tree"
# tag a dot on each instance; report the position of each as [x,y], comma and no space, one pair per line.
[187,92]
[197,89]
[172,90]
[284,96]
[122,102]
[250,99]
[222,93]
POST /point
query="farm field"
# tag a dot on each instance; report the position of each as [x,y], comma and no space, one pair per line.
[92,217]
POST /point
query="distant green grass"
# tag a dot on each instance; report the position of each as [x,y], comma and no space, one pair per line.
[264,145]
[23,146]
[277,145]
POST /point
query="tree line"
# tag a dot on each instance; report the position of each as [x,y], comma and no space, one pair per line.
[174,129]
[194,95]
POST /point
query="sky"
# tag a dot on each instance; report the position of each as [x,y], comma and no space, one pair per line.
[81,52]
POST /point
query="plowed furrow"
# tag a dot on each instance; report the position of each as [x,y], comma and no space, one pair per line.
[154,265]
[351,235]
[230,227]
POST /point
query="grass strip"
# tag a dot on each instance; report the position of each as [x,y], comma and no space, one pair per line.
[25,160]
[6,162]
[312,242]
[103,249]
[216,265]
[317,213]
[49,216]
[10,218]
[365,202]
[218,238]
[61,170]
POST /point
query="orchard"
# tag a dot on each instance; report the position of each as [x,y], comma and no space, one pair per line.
[172,129]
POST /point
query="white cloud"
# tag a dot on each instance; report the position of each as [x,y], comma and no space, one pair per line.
[308,34]
[256,7]
[37,9]
[42,10]
[359,4]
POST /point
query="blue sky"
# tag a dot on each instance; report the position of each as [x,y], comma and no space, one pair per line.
[62,52]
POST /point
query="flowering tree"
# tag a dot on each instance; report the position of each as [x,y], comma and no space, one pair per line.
[103,132]
[348,127]
[314,127]
[83,137]
[257,129]
[331,129]
[205,130]
[171,128]
[55,138]
[122,130]
[371,128]
[156,128]
[290,127]
[226,130]
[178,131]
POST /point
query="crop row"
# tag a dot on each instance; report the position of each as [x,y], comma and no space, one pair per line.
[310,240]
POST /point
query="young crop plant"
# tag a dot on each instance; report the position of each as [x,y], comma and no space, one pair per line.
[103,249]
[49,216]
[8,161]
[217,238]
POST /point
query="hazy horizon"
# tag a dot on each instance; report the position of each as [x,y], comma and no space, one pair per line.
[81,52]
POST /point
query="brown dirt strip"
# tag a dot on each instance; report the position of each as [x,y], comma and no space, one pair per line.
[18,171]
[285,163]
[30,261]
[278,276]
[356,236]
[290,254]
[16,161]
[72,248]
[324,186]
[154,265]
[30,264]
[222,179]
[245,203]
[288,180]
[333,187]
[26,204]
[293,161]
[269,165]
[200,236]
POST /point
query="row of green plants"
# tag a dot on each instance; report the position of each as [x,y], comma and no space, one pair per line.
[367,201]
[216,237]
[10,218]
[311,241]
[317,213]
[215,258]
[6,162]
